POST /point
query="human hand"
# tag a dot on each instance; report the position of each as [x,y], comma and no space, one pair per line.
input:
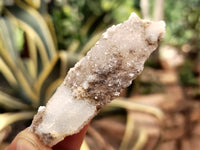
[27,140]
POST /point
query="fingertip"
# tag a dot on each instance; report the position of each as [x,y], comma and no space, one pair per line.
[25,144]
[27,140]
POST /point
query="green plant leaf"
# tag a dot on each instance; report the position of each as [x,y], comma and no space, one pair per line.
[33,3]
[9,118]
[31,20]
[84,146]
[5,70]
[130,127]
[10,102]
[131,105]
[10,56]
[141,141]
[44,74]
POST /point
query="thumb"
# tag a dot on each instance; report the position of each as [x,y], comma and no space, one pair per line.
[27,140]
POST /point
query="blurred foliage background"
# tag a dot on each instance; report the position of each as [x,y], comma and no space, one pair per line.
[41,39]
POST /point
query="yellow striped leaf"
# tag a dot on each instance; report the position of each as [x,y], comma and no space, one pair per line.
[10,102]
[9,118]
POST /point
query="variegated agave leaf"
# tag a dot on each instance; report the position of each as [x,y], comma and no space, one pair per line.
[27,76]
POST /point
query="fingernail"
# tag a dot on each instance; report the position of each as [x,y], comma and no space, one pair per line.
[23,144]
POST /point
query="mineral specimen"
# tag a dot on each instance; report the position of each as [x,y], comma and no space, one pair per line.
[109,67]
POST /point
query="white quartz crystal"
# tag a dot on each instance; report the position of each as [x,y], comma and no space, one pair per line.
[155,31]
[115,61]
[109,67]
[61,103]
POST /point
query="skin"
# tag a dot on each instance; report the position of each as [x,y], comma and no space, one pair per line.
[26,140]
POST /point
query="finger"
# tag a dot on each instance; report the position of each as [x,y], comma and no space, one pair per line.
[27,140]
[72,142]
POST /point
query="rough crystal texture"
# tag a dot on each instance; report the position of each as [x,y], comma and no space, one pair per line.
[59,117]
[110,66]
[115,60]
